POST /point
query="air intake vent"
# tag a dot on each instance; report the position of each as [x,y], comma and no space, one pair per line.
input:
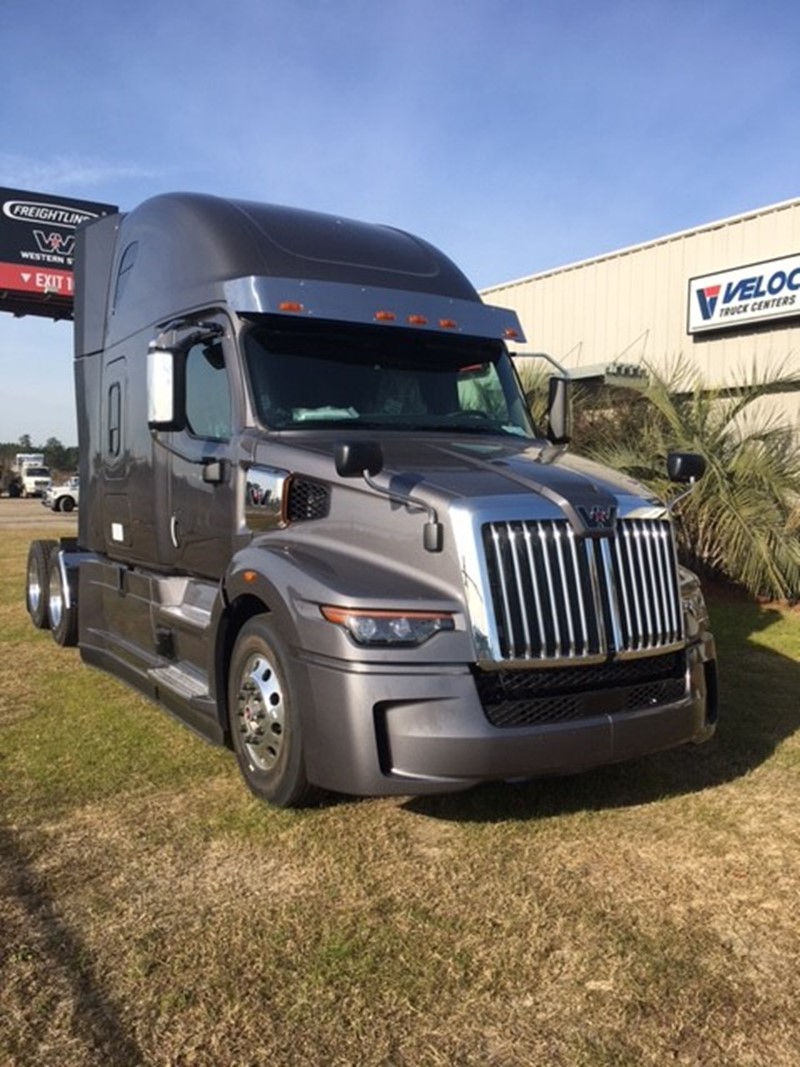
[564,694]
[307,500]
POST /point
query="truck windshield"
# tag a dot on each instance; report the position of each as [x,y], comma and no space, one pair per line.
[382,378]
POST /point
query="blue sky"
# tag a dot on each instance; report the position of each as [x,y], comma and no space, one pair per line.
[517,136]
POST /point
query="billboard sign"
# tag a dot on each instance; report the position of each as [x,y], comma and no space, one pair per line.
[37,240]
[745,295]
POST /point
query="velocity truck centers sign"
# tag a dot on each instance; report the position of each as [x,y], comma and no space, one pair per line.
[745,295]
[37,240]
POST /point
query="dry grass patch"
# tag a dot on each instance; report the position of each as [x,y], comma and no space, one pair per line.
[153,913]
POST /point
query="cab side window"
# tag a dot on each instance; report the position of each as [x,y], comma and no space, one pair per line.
[208,394]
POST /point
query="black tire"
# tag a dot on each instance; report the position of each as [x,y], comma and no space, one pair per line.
[37,578]
[67,504]
[14,491]
[264,718]
[62,605]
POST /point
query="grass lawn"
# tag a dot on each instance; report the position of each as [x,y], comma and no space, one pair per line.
[152,913]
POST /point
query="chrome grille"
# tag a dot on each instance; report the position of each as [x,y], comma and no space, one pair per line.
[557,596]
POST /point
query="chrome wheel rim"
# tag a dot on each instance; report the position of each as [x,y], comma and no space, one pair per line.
[261,712]
[34,586]
[55,600]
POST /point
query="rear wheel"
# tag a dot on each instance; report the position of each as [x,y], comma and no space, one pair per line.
[67,504]
[62,605]
[37,582]
[264,718]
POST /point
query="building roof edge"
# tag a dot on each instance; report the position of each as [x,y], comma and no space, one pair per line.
[652,243]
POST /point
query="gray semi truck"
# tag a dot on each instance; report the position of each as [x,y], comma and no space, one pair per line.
[319,526]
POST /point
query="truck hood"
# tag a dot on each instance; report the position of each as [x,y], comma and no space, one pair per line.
[442,472]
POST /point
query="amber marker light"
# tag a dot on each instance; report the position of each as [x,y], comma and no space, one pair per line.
[385,316]
[510,333]
[417,320]
[250,576]
[448,324]
[290,305]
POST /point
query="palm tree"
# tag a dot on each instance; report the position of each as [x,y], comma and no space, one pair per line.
[742,521]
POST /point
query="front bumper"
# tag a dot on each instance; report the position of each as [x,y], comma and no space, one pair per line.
[419,730]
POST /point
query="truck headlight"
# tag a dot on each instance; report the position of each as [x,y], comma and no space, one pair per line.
[368,627]
[694,604]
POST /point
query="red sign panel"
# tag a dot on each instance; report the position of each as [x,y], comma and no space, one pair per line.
[24,280]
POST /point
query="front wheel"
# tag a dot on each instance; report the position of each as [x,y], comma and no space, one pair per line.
[264,718]
[37,577]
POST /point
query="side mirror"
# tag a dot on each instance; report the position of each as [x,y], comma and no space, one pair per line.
[685,467]
[354,457]
[165,390]
[559,411]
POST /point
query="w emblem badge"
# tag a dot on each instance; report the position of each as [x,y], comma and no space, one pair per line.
[599,516]
[55,242]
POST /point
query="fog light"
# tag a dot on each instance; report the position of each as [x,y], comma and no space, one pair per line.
[389,627]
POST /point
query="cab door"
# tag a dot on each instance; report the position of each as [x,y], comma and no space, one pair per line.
[201,482]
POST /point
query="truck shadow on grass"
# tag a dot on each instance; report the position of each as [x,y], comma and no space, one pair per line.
[44,942]
[759,709]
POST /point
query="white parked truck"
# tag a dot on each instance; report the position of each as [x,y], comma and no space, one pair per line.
[33,476]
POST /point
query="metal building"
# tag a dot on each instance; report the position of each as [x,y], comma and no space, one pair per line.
[725,296]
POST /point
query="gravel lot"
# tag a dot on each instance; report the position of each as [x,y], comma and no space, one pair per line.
[16,513]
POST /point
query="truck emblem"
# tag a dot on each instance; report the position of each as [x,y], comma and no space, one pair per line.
[599,516]
[54,242]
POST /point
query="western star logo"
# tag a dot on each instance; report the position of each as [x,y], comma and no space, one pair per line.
[54,242]
[708,300]
[599,516]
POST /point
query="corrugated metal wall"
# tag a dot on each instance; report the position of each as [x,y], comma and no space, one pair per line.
[631,305]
